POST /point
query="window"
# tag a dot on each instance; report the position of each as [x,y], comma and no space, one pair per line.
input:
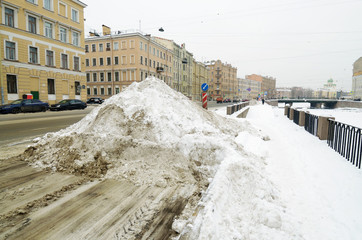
[31,1]
[115,46]
[10,51]
[100,61]
[86,48]
[76,64]
[116,76]
[94,61]
[88,77]
[48,29]
[109,76]
[75,38]
[63,34]
[77,87]
[141,45]
[95,91]
[146,61]
[116,60]
[51,86]
[87,62]
[88,91]
[75,15]
[93,47]
[108,46]
[108,61]
[102,90]
[101,47]
[12,84]
[141,60]
[109,91]
[31,24]
[132,60]
[117,90]
[49,61]
[9,17]
[94,77]
[101,77]
[123,44]
[48,4]
[64,61]
[33,55]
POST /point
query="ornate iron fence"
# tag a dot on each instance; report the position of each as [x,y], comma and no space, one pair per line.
[296,117]
[346,140]
[311,123]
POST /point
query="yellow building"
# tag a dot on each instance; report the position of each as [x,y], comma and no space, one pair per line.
[223,80]
[42,50]
[201,74]
[116,60]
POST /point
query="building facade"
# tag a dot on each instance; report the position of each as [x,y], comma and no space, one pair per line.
[357,79]
[248,88]
[42,50]
[116,60]
[268,85]
[223,80]
[200,75]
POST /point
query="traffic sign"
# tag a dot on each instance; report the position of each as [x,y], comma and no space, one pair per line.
[204,87]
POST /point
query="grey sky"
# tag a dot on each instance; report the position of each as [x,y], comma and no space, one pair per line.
[299,42]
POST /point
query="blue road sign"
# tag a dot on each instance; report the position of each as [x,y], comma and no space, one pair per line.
[204,87]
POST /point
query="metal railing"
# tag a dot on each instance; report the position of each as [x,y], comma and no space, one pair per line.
[311,123]
[296,117]
[346,140]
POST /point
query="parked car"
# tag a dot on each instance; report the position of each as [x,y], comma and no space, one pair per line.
[226,100]
[95,100]
[68,104]
[24,105]
[219,100]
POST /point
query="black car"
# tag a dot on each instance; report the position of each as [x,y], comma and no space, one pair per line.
[68,104]
[95,100]
[24,105]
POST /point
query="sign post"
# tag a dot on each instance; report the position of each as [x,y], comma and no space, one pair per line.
[204,88]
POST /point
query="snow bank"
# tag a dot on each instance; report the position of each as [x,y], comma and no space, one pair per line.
[148,134]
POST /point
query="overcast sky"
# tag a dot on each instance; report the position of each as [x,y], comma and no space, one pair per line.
[299,42]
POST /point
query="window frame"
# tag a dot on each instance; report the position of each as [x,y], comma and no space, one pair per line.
[77,16]
[64,65]
[77,38]
[51,88]
[6,17]
[15,51]
[47,58]
[46,29]
[32,27]
[61,34]
[15,86]
[76,66]
[31,55]
[51,5]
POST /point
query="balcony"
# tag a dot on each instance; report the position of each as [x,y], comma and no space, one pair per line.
[159,69]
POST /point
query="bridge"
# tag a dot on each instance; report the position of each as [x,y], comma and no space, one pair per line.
[318,103]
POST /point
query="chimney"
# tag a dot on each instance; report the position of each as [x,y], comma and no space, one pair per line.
[106,30]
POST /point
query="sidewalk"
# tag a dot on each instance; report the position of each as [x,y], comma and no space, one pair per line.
[321,189]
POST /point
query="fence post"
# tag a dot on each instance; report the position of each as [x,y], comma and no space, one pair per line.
[323,126]
[286,110]
[301,118]
[291,114]
[228,110]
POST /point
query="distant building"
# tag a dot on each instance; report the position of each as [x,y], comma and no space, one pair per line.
[248,88]
[328,91]
[114,60]
[267,84]
[357,79]
[223,80]
[200,75]
[281,93]
[42,50]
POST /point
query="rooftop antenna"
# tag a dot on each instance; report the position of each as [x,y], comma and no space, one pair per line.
[140,25]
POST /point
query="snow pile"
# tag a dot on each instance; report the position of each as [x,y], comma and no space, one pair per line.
[148,134]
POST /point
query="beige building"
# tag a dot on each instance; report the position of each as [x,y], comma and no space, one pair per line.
[42,50]
[248,89]
[282,93]
[116,60]
[357,79]
[328,91]
[201,75]
[267,85]
[223,80]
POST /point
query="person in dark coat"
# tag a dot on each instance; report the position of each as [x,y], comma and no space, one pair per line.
[262,100]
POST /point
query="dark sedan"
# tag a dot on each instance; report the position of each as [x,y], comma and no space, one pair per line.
[24,105]
[95,100]
[68,104]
